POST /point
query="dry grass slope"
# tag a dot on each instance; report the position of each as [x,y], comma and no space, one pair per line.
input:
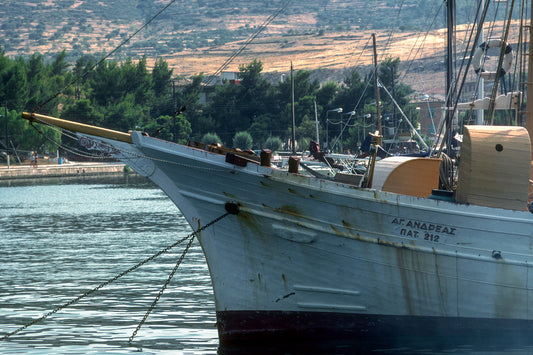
[330,54]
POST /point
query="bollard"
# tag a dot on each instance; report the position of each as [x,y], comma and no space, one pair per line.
[266,156]
[294,162]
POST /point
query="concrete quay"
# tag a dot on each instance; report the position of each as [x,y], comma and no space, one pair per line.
[71,169]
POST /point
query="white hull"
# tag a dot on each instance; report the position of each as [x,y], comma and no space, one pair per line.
[311,246]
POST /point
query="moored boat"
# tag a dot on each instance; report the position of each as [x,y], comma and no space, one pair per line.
[303,256]
[381,258]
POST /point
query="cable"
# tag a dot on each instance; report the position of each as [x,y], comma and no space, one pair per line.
[226,63]
[104,58]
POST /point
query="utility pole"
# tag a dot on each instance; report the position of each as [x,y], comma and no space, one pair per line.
[7,135]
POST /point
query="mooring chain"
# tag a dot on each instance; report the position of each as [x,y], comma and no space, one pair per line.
[152,306]
[104,284]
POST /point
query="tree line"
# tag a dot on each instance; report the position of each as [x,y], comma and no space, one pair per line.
[253,113]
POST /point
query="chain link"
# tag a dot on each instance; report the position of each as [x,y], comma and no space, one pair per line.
[104,284]
[152,306]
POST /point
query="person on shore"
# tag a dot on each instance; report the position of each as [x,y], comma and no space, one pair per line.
[35,160]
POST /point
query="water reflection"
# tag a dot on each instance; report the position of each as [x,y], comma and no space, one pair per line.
[60,240]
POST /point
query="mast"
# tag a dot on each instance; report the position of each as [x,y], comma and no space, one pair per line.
[529,86]
[376,86]
[450,71]
[7,135]
[481,86]
[529,104]
[316,126]
[293,115]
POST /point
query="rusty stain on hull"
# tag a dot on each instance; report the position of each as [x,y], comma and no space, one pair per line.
[287,209]
[231,196]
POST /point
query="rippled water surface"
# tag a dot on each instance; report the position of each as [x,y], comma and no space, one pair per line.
[59,241]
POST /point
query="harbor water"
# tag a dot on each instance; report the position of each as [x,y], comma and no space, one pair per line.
[60,240]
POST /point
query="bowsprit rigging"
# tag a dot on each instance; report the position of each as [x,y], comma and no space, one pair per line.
[183,107]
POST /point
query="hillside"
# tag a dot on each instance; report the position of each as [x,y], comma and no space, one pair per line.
[331,36]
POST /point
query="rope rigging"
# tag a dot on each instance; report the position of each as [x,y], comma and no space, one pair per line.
[62,146]
[126,155]
[109,281]
[442,133]
[500,62]
[226,63]
[75,80]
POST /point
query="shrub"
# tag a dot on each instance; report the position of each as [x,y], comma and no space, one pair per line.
[211,138]
[242,140]
[273,143]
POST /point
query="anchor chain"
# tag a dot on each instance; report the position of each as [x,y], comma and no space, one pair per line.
[152,306]
[105,283]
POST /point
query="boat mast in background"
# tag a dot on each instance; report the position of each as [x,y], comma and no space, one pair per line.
[293,114]
[450,73]
[481,84]
[376,85]
[529,104]
[529,86]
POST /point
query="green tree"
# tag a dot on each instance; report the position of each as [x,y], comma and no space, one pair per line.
[273,143]
[162,86]
[235,107]
[15,90]
[261,128]
[81,70]
[23,136]
[211,138]
[255,92]
[224,111]
[142,84]
[161,78]
[305,95]
[195,113]
[175,130]
[306,129]
[355,94]
[325,95]
[35,74]
[182,130]
[105,84]
[82,111]
[59,65]
[125,115]
[302,144]
[242,140]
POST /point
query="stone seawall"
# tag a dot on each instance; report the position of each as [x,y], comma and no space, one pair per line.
[60,170]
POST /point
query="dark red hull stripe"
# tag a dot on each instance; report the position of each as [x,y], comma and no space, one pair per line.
[317,331]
